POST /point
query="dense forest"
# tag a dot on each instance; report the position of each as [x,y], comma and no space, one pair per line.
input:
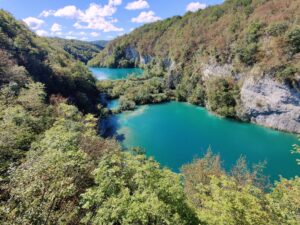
[80,50]
[56,169]
[205,57]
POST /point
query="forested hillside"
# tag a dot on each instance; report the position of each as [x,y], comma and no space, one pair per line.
[26,57]
[225,57]
[81,50]
[56,169]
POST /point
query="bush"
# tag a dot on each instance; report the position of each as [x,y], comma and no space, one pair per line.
[222,96]
[126,104]
[247,55]
[277,29]
[254,32]
[294,41]
[287,74]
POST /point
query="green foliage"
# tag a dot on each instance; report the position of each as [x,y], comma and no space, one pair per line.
[221,198]
[287,74]
[126,104]
[29,57]
[133,190]
[254,32]
[198,96]
[117,59]
[293,40]
[222,96]
[56,171]
[216,13]
[247,55]
[277,29]
[23,116]
[285,199]
[100,44]
[136,91]
[248,51]
[80,50]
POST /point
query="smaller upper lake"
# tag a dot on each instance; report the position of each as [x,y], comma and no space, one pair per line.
[115,74]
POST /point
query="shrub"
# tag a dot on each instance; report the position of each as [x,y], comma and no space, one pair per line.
[287,74]
[247,55]
[254,32]
[126,104]
[277,29]
[221,96]
[293,40]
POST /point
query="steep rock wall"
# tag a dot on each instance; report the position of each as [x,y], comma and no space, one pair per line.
[271,104]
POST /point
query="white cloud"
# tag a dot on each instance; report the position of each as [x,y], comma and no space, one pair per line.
[70,37]
[95,17]
[195,6]
[69,11]
[56,28]
[94,34]
[139,4]
[47,13]
[41,33]
[34,23]
[115,2]
[145,17]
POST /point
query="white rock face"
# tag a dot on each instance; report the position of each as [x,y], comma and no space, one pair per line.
[132,54]
[271,104]
[216,70]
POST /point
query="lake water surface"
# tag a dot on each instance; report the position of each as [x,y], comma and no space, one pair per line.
[174,133]
[115,74]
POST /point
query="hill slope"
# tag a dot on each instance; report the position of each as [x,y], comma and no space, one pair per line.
[80,50]
[25,56]
[251,46]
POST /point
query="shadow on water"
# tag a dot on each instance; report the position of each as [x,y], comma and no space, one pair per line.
[109,128]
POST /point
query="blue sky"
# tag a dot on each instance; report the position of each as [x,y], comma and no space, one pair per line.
[96,19]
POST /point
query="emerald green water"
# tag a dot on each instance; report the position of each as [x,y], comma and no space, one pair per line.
[175,133]
[115,74]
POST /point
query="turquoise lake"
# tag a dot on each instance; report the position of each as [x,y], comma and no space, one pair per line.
[175,133]
[115,74]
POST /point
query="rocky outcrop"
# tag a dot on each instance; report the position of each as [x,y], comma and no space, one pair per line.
[217,70]
[264,101]
[131,54]
[271,104]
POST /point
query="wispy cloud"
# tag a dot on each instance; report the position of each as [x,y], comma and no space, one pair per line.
[56,27]
[139,4]
[34,23]
[195,6]
[146,17]
[42,33]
